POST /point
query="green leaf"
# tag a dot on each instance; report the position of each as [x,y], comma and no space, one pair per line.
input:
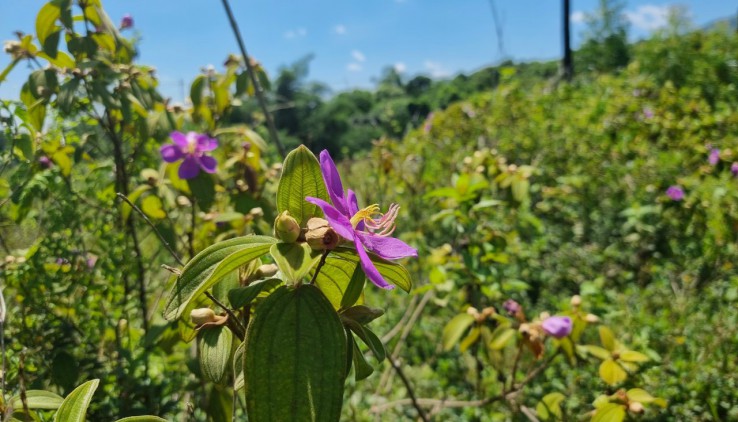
[333,279]
[146,418]
[550,405]
[354,289]
[631,356]
[612,373]
[368,337]
[133,197]
[607,338]
[393,272]
[203,189]
[472,337]
[295,260]
[295,358]
[38,399]
[215,352]
[640,395]
[242,296]
[238,358]
[65,98]
[46,21]
[152,207]
[301,177]
[362,314]
[74,406]
[610,412]
[595,351]
[362,369]
[211,265]
[501,338]
[196,90]
[454,329]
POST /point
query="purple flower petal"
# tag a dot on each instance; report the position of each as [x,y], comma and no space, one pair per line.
[333,182]
[386,247]
[208,164]
[557,326]
[338,221]
[170,153]
[353,208]
[190,168]
[369,269]
[206,143]
[180,139]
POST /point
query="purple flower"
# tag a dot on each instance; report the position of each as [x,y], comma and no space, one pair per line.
[45,162]
[557,326]
[126,22]
[367,228]
[675,192]
[511,307]
[190,148]
[734,169]
[714,157]
[428,123]
[647,113]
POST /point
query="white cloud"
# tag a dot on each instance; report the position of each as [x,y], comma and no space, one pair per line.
[339,29]
[648,17]
[353,67]
[358,56]
[436,69]
[400,67]
[295,33]
[578,17]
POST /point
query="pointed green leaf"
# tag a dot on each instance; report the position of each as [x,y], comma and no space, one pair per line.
[46,21]
[295,260]
[196,90]
[362,369]
[211,265]
[595,351]
[550,405]
[501,338]
[242,296]
[65,98]
[301,177]
[152,207]
[354,289]
[215,352]
[295,358]
[368,337]
[472,337]
[238,358]
[146,418]
[631,356]
[362,314]
[74,406]
[454,329]
[640,395]
[610,412]
[612,373]
[607,338]
[38,399]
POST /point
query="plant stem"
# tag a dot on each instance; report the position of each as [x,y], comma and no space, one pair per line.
[151,224]
[409,389]
[231,315]
[257,86]
[320,265]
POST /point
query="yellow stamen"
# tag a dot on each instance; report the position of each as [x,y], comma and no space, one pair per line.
[364,214]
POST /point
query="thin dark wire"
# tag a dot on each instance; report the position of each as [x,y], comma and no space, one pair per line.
[254,80]
[498,28]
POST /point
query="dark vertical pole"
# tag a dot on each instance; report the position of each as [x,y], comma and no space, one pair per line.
[567,64]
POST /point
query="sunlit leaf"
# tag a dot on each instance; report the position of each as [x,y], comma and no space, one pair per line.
[301,177]
[550,405]
[631,356]
[215,351]
[612,373]
[454,329]
[38,399]
[294,260]
[74,406]
[610,412]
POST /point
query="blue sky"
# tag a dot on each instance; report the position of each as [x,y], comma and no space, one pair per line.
[352,40]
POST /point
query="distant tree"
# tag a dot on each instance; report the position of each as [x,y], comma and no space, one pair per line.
[605,45]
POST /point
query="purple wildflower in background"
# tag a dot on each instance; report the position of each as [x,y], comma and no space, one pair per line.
[648,113]
[45,162]
[190,148]
[367,228]
[675,192]
[126,22]
[734,169]
[714,157]
[428,123]
[511,307]
[557,326]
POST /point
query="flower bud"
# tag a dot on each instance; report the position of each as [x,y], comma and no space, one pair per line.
[320,235]
[512,307]
[557,326]
[591,318]
[202,316]
[635,407]
[126,22]
[266,270]
[286,228]
[45,162]
[576,300]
